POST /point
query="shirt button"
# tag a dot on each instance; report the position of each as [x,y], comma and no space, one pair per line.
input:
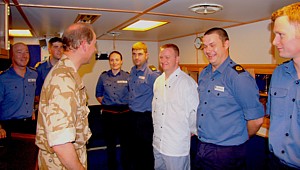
[162,113]
[201,114]
[293,100]
[205,102]
[275,93]
[282,151]
[218,94]
[287,134]
[297,82]
[291,116]
[161,127]
[208,91]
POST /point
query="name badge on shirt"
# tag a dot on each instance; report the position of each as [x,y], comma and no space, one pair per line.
[142,77]
[219,88]
[31,80]
[122,81]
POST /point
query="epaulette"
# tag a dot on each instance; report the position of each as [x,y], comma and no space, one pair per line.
[104,72]
[153,68]
[238,68]
[37,64]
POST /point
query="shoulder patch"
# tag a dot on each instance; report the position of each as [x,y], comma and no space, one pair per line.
[238,68]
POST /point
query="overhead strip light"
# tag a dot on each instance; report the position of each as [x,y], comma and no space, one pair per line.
[144,25]
[19,33]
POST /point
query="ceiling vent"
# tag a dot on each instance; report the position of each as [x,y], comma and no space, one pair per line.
[206,8]
[87,18]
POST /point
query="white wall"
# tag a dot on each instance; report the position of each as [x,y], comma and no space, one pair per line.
[249,44]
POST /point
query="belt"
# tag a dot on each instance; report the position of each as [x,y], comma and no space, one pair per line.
[115,111]
[20,120]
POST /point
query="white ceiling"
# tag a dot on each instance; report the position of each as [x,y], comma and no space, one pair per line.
[48,18]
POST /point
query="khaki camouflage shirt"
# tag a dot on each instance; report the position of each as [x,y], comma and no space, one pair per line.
[63,111]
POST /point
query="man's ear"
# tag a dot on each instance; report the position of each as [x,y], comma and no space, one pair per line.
[226,44]
[84,45]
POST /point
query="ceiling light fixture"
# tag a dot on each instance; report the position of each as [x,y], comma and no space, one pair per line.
[19,33]
[206,8]
[144,25]
[113,34]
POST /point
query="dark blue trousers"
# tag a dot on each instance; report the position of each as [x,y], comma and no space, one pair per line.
[215,157]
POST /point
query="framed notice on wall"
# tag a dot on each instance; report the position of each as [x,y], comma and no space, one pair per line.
[4,42]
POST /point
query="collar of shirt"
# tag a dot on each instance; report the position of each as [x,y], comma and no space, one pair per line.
[222,67]
[49,65]
[289,67]
[69,63]
[110,73]
[142,69]
[173,76]
[28,71]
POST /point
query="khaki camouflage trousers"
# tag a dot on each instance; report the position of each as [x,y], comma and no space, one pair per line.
[48,160]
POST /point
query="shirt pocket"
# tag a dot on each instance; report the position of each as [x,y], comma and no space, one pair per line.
[278,101]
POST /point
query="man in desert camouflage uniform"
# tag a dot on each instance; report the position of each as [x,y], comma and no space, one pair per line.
[62,129]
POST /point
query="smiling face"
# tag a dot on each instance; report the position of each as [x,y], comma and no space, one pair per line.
[215,50]
[287,38]
[56,50]
[20,56]
[115,62]
[168,60]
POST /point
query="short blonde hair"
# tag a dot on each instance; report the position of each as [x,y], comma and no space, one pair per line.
[139,46]
[292,11]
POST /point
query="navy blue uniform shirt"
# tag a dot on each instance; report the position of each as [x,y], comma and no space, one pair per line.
[113,88]
[284,109]
[42,70]
[17,94]
[228,97]
[141,88]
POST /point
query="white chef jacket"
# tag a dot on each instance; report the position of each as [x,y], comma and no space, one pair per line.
[174,108]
